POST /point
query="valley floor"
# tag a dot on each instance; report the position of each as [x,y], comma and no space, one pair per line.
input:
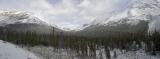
[136,55]
[11,51]
[51,53]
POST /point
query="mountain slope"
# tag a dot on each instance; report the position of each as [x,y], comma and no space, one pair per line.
[137,10]
[140,16]
[24,22]
[12,17]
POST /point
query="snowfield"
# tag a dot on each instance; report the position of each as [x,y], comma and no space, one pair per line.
[11,51]
[136,55]
[52,53]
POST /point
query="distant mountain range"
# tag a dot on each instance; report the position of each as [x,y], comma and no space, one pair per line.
[24,22]
[140,16]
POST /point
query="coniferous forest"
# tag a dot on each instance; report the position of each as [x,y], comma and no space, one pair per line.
[120,40]
[79,29]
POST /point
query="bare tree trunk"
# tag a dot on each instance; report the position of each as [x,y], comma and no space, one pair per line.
[107,53]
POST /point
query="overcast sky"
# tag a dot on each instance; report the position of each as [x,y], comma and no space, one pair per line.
[66,13]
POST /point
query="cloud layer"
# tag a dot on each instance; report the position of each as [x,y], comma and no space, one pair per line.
[66,13]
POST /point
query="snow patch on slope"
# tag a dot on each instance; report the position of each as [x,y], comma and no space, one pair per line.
[10,51]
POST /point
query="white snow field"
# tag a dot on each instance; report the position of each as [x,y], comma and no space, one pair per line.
[11,51]
[136,55]
[52,53]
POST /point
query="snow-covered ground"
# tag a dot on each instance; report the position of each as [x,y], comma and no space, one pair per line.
[52,53]
[140,54]
[11,51]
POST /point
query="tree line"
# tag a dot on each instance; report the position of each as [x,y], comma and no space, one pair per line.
[120,40]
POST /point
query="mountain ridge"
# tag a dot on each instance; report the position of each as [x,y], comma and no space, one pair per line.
[137,10]
[23,22]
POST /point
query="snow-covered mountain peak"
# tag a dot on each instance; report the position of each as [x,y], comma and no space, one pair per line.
[12,17]
[145,7]
[137,10]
